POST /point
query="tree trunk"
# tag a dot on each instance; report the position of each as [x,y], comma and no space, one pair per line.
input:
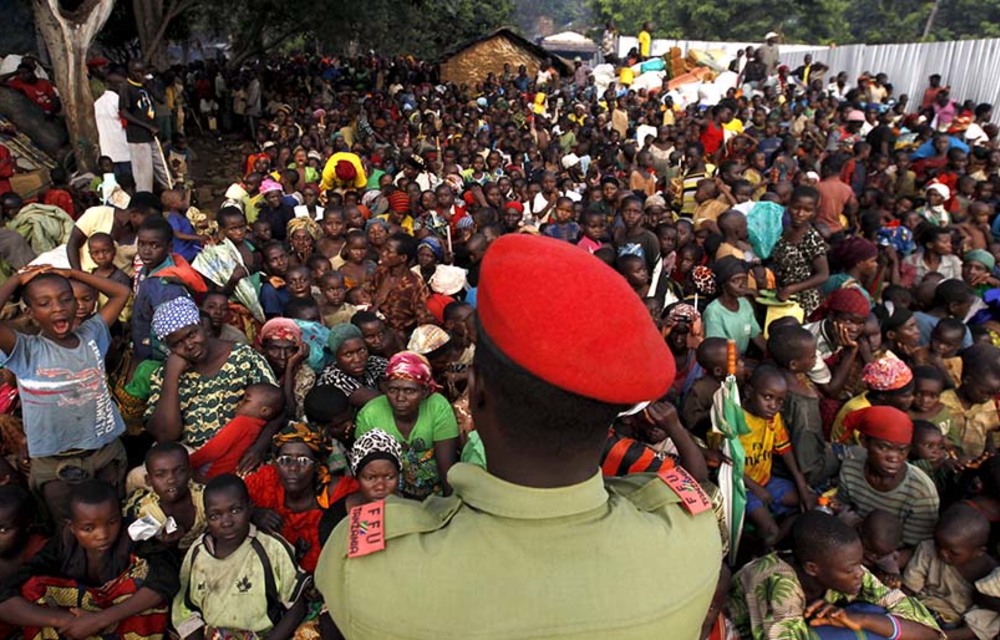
[148,19]
[68,36]
[930,19]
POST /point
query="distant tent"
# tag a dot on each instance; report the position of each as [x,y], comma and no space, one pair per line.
[570,44]
[473,60]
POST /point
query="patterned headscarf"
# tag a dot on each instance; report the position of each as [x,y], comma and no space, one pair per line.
[340,334]
[280,329]
[174,315]
[374,445]
[311,436]
[704,280]
[407,365]
[886,374]
[310,225]
[432,243]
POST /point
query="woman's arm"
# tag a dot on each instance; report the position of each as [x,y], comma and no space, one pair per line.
[821,273]
[166,424]
[445,454]
[77,239]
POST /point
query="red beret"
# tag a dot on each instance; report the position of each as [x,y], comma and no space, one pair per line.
[571,320]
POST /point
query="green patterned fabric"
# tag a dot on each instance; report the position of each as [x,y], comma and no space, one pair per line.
[209,402]
[766,601]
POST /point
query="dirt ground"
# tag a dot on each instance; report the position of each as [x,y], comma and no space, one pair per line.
[217,164]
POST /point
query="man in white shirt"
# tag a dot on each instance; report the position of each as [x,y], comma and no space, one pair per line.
[110,132]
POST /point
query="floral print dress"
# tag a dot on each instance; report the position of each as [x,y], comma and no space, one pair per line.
[793,263]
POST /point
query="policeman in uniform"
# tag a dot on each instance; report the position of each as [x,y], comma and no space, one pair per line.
[538,545]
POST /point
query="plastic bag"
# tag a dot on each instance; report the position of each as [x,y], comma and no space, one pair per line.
[217,263]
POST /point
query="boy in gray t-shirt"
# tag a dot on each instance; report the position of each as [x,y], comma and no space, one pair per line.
[70,421]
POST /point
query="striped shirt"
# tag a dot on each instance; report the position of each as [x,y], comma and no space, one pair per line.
[915,501]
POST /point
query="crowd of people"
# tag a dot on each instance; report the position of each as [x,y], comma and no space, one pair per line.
[445,342]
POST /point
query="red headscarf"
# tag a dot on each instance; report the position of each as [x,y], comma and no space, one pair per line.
[849,301]
[884,423]
[407,365]
[345,171]
[399,201]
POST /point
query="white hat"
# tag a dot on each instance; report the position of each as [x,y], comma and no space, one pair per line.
[448,280]
[942,190]
[569,160]
[770,34]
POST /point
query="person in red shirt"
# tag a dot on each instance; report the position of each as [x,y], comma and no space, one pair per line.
[38,90]
[714,135]
[59,194]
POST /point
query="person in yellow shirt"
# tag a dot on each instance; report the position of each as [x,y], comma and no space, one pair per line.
[344,171]
[646,40]
[768,437]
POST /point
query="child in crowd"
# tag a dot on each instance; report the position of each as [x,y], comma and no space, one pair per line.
[633,268]
[928,385]
[713,357]
[86,301]
[18,543]
[594,230]
[262,232]
[767,493]
[233,227]
[299,283]
[333,240]
[882,538]
[260,403]
[359,297]
[799,257]
[101,247]
[357,269]
[334,307]
[563,226]
[274,294]
[793,350]
[319,266]
[943,573]
[155,241]
[972,407]
[731,315]
[930,454]
[68,414]
[92,580]
[264,588]
[822,584]
[173,494]
[215,305]
[946,339]
[187,242]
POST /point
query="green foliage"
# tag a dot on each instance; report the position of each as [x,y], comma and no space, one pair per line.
[424,28]
[810,21]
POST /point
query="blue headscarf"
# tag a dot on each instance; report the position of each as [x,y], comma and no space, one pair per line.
[432,243]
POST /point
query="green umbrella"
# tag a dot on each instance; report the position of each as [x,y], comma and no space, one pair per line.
[728,421]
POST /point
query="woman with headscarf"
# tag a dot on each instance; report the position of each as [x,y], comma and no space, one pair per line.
[274,210]
[377,230]
[430,254]
[302,236]
[280,341]
[683,331]
[196,392]
[354,371]
[290,494]
[890,384]
[856,261]
[901,333]
[376,462]
[420,419]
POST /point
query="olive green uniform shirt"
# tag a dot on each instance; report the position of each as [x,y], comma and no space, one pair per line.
[617,558]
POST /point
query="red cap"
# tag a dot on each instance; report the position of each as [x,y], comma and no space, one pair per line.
[345,171]
[571,320]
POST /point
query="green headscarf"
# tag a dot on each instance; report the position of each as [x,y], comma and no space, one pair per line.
[341,334]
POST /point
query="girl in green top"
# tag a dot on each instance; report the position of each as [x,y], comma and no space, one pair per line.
[420,419]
